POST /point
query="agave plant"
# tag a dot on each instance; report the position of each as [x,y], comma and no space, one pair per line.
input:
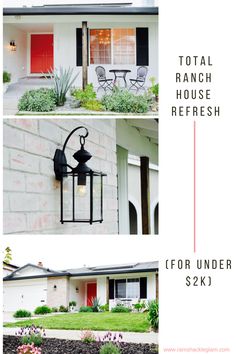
[63,81]
[96,304]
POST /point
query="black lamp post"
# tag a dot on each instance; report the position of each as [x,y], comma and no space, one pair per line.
[81,188]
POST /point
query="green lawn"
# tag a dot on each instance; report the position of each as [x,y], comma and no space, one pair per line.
[103,321]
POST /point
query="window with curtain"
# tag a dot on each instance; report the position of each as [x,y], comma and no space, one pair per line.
[124,40]
[112,46]
[100,46]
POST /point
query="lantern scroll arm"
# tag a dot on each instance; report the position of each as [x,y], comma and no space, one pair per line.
[60,161]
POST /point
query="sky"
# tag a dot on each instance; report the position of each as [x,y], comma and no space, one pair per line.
[72,251]
[19,3]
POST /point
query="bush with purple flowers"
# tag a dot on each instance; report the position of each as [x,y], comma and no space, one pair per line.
[28,349]
[31,335]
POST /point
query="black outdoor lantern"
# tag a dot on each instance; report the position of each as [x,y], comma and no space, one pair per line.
[81,188]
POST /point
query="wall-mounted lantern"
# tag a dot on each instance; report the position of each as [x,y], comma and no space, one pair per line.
[13,45]
[81,188]
[55,287]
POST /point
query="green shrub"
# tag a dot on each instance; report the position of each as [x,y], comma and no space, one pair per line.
[40,100]
[86,309]
[42,310]
[154,89]
[104,308]
[54,309]
[93,105]
[153,314]
[63,309]
[109,348]
[140,306]
[84,95]
[120,308]
[121,100]
[22,313]
[72,303]
[6,77]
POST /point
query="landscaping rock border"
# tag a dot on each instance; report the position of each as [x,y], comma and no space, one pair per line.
[62,346]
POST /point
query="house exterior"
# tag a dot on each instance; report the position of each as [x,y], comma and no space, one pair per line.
[119,36]
[8,268]
[31,286]
[31,198]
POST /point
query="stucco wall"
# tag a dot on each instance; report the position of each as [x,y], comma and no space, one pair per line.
[14,61]
[60,295]
[79,294]
[31,193]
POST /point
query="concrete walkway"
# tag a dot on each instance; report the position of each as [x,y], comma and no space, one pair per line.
[128,337]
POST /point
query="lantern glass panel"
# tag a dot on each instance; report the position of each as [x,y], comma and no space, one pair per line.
[82,199]
[67,198]
[97,197]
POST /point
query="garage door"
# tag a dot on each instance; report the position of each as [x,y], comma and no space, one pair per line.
[24,294]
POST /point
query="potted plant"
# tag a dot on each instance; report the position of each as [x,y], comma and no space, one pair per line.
[6,80]
[72,305]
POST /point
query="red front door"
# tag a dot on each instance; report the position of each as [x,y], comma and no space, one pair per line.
[41,53]
[91,293]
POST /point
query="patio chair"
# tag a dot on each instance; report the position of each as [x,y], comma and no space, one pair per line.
[138,83]
[103,82]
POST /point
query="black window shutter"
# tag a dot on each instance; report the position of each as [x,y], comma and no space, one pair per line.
[111,289]
[79,56]
[143,288]
[142,46]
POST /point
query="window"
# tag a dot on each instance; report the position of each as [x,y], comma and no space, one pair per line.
[116,46]
[100,46]
[127,288]
[132,289]
[124,45]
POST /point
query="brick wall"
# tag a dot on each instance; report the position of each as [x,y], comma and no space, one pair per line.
[31,193]
[60,295]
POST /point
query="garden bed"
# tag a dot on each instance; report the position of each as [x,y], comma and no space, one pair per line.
[62,346]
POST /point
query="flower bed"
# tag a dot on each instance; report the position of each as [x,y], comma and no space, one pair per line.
[61,346]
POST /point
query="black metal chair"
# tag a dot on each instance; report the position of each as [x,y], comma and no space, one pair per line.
[138,83]
[103,82]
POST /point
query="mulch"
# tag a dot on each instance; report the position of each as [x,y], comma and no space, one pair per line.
[62,346]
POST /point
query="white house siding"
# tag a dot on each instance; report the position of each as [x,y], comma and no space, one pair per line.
[78,295]
[31,193]
[64,29]
[24,294]
[101,289]
[14,62]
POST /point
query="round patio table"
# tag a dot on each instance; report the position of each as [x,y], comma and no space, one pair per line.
[120,73]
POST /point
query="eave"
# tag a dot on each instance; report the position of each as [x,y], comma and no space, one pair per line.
[77,10]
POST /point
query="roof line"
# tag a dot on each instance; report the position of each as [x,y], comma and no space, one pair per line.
[150,270]
[77,10]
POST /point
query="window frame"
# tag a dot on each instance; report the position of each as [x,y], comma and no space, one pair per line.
[112,49]
[126,281]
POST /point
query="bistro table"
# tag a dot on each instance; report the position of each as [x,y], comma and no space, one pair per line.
[120,73]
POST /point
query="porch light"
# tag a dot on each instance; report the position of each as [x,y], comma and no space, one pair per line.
[55,287]
[81,188]
[13,45]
